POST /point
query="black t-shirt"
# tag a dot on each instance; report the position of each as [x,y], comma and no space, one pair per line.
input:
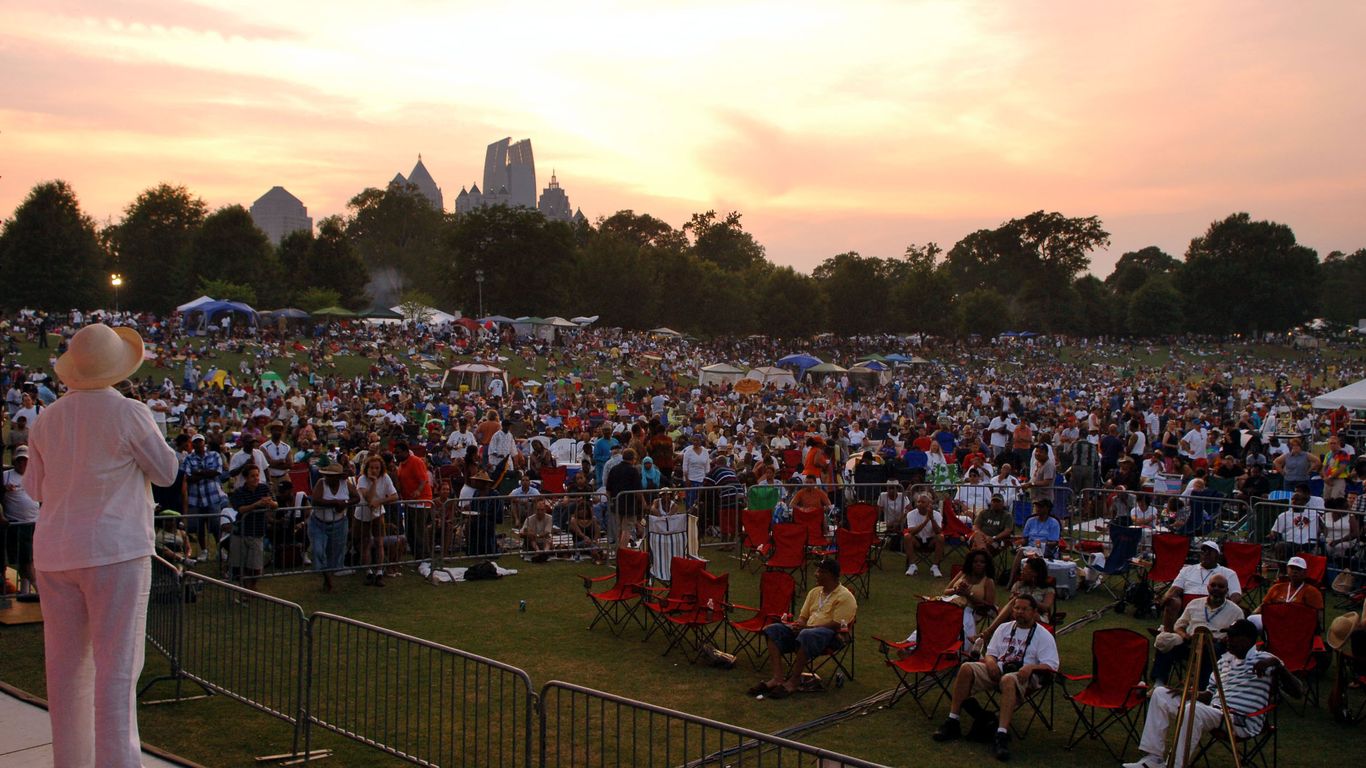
[251,523]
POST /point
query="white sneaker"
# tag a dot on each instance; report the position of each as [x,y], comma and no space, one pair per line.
[934,571]
[912,570]
[1147,761]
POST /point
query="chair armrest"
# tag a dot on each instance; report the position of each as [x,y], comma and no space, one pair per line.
[742,607]
[889,645]
[588,581]
[1074,678]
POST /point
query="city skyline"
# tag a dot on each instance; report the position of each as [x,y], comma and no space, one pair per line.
[865,127]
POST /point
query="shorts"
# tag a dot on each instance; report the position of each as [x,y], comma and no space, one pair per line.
[920,545]
[814,640]
[18,543]
[247,553]
[982,682]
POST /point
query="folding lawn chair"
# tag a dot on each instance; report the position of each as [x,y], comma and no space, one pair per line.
[1124,542]
[1039,701]
[1318,568]
[789,552]
[1115,688]
[680,595]
[853,556]
[1245,560]
[1251,751]
[1169,556]
[619,603]
[814,522]
[695,627]
[1292,635]
[841,658]
[666,539]
[933,656]
[552,479]
[861,517]
[756,526]
[763,497]
[776,591]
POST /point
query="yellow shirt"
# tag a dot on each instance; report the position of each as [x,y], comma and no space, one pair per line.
[820,610]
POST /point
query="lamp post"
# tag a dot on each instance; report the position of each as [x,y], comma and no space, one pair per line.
[116,280]
[479,281]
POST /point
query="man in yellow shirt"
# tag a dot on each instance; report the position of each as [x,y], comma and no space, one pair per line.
[823,624]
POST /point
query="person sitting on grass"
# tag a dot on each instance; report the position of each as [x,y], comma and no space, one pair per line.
[825,617]
[1021,657]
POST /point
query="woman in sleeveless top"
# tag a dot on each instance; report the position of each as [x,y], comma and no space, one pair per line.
[333,496]
[974,588]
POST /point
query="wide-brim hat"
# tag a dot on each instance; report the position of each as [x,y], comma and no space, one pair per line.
[1341,629]
[99,356]
[481,475]
[331,468]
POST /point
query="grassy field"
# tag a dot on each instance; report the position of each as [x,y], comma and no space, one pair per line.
[549,641]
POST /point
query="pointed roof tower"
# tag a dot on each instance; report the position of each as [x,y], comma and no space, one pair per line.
[422,179]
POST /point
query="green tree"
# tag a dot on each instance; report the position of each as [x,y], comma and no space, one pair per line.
[789,304]
[155,247]
[332,262]
[1343,281]
[1095,311]
[398,235]
[313,299]
[857,290]
[613,278]
[523,257]
[1249,276]
[922,298]
[50,254]
[1156,308]
[723,242]
[229,248]
[983,311]
[416,306]
[1048,248]
[224,290]
[1135,267]
[642,230]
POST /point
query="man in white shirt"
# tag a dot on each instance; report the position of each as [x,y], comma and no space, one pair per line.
[20,512]
[1000,430]
[1194,443]
[462,439]
[1020,658]
[924,526]
[1213,612]
[247,452]
[279,457]
[501,446]
[1297,528]
[1194,580]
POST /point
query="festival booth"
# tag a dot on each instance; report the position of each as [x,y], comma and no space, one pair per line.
[767,374]
[870,372]
[1352,397]
[209,314]
[189,305]
[284,319]
[824,371]
[720,373]
[429,315]
[799,362]
[472,377]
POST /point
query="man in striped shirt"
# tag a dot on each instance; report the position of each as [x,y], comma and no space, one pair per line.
[1245,675]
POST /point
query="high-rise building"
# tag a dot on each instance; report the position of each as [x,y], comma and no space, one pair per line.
[278,213]
[422,179]
[554,203]
[496,165]
[510,167]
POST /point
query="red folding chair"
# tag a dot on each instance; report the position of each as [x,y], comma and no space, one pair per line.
[300,477]
[680,595]
[757,527]
[933,656]
[861,517]
[1245,560]
[852,554]
[789,551]
[1169,556]
[1114,692]
[1318,567]
[814,522]
[619,603]
[695,627]
[956,533]
[552,479]
[841,658]
[1292,635]
[776,591]
[792,460]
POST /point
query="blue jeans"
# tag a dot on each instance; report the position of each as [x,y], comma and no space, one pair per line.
[690,495]
[329,543]
[813,640]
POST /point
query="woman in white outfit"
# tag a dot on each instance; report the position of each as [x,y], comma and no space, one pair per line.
[92,459]
[376,490]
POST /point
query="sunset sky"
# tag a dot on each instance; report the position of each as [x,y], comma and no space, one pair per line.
[831,126]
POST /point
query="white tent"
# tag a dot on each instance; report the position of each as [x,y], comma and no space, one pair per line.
[1353,396]
[475,376]
[671,333]
[189,305]
[430,315]
[720,373]
[581,320]
[882,375]
[767,374]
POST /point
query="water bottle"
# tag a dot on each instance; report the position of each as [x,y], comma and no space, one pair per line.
[521,606]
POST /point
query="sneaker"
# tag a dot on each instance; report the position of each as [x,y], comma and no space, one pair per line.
[1147,761]
[934,571]
[346,572]
[912,570]
[951,730]
[1000,746]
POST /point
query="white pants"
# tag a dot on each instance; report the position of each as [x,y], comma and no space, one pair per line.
[1162,714]
[95,620]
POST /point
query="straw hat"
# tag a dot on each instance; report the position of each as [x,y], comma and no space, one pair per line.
[100,356]
[481,475]
[1341,629]
[331,468]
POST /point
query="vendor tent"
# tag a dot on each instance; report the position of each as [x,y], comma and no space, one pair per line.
[871,370]
[380,313]
[288,313]
[720,373]
[272,380]
[429,315]
[825,369]
[335,312]
[189,305]
[589,320]
[497,319]
[474,376]
[767,374]
[212,313]
[1352,396]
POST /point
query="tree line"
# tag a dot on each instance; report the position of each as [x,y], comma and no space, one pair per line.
[708,276]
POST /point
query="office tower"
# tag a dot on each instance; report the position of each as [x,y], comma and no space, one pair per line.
[554,203]
[425,184]
[277,213]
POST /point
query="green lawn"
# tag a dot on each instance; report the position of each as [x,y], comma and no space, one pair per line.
[549,641]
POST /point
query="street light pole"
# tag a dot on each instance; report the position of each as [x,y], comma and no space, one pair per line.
[116,280]
[479,280]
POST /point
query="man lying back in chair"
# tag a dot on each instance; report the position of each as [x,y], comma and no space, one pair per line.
[826,614]
[1020,658]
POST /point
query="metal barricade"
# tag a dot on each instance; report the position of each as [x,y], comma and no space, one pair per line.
[420,701]
[1217,516]
[584,727]
[1286,529]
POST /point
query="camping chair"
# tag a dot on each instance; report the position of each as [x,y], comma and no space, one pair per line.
[1252,751]
[1039,701]
[933,656]
[854,558]
[956,533]
[814,522]
[841,658]
[667,539]
[1115,687]
[680,595]
[1318,568]
[776,591]
[619,603]
[861,517]
[1245,560]
[757,539]
[1124,542]
[789,551]
[763,497]
[1169,555]
[696,627]
[552,479]
[792,460]
[1292,635]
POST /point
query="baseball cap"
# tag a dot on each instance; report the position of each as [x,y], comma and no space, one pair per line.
[1210,544]
[1298,562]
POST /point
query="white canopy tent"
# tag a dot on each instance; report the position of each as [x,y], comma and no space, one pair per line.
[1352,396]
[189,305]
[767,374]
[431,315]
[719,373]
[474,376]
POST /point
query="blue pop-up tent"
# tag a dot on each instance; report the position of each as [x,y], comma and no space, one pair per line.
[800,361]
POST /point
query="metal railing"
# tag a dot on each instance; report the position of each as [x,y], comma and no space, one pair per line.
[581,727]
[414,699]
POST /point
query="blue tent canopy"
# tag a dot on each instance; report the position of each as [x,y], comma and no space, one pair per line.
[897,357]
[216,309]
[800,361]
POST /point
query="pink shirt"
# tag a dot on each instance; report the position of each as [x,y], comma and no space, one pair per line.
[91,458]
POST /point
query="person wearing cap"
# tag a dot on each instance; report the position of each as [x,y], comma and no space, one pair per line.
[1193,580]
[328,520]
[1246,677]
[1214,612]
[1294,588]
[19,515]
[93,546]
[1297,528]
